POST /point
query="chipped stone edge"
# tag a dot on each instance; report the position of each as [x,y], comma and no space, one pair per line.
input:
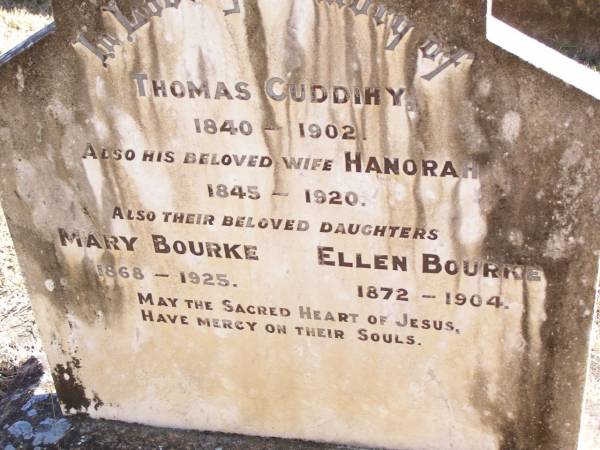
[540,55]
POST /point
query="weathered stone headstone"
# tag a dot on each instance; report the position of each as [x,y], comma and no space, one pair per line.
[344,221]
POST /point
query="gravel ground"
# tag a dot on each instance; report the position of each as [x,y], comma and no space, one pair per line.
[20,18]
[19,340]
[29,412]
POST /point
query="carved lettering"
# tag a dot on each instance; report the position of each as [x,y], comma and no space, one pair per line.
[453,59]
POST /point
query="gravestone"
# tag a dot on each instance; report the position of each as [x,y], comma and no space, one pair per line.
[343,221]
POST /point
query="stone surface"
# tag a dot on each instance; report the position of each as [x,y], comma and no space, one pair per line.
[360,339]
[88,433]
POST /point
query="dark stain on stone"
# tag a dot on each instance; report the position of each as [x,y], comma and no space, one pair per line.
[295,64]
[69,389]
[98,403]
[259,58]
[496,416]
